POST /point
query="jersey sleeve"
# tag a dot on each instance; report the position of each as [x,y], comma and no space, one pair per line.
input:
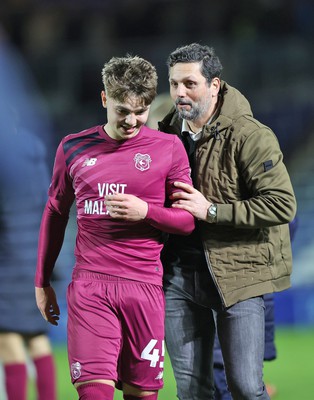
[167,219]
[54,220]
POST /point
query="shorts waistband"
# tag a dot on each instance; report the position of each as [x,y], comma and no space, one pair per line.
[96,276]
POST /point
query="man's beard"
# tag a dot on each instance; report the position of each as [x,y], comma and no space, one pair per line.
[196,111]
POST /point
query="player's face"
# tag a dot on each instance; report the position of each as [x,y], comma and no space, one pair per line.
[124,119]
[194,97]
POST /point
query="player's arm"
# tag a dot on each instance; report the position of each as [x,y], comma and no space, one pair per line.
[168,219]
[51,235]
[131,208]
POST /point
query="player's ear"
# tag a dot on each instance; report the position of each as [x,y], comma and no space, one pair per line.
[103,98]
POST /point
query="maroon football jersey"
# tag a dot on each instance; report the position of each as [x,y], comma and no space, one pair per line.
[88,166]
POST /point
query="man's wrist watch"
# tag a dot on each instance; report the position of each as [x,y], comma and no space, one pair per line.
[212,213]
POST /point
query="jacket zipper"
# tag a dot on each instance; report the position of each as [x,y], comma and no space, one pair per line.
[213,277]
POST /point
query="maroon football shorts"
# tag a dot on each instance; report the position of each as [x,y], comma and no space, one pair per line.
[116,330]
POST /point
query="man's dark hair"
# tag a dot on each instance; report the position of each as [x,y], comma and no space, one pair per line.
[210,64]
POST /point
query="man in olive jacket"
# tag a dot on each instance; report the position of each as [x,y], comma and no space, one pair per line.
[243,201]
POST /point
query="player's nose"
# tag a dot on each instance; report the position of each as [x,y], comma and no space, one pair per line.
[130,119]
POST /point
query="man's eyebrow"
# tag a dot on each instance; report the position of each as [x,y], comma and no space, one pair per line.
[191,78]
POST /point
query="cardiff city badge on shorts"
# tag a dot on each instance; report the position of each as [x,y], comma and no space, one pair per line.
[76,370]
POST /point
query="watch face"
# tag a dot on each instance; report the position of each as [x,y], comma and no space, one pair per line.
[212,212]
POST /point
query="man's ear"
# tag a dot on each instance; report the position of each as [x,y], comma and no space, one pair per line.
[103,98]
[216,85]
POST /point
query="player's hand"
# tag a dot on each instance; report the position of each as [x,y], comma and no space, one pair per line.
[126,206]
[191,200]
[47,303]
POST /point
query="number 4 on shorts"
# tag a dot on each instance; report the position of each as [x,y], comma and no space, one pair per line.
[151,353]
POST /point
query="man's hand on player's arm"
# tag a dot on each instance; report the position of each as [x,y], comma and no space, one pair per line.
[47,303]
[191,200]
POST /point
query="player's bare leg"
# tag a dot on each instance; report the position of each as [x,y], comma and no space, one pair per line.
[133,393]
[13,356]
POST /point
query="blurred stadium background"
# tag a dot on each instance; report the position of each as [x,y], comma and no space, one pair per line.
[58,47]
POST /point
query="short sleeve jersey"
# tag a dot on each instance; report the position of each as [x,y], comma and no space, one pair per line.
[88,166]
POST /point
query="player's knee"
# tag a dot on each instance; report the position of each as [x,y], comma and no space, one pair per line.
[151,396]
[96,391]
[133,393]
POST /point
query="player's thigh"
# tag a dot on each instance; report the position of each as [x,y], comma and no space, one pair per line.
[39,345]
[12,349]
[94,331]
[142,357]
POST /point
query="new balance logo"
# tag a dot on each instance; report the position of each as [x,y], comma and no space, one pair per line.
[160,375]
[89,162]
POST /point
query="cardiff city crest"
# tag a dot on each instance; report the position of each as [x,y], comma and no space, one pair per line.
[76,370]
[142,161]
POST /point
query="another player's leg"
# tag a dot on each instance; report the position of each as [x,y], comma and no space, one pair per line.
[41,353]
[13,357]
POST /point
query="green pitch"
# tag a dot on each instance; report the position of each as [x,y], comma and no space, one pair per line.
[292,373]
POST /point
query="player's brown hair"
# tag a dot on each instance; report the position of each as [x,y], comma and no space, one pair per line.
[129,76]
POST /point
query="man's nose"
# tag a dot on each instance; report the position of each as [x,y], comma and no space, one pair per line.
[180,91]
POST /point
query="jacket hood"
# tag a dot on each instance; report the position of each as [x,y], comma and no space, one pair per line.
[233,104]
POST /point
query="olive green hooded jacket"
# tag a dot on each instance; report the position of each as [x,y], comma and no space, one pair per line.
[239,166]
